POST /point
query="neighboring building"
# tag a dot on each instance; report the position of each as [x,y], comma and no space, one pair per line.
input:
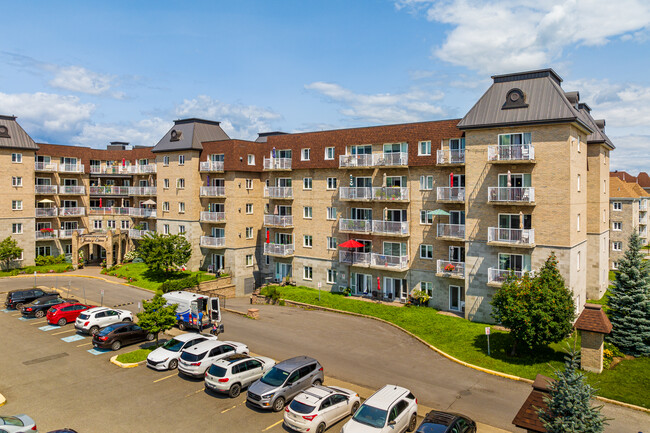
[448,207]
[642,179]
[628,212]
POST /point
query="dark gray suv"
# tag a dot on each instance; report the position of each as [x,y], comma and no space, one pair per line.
[284,381]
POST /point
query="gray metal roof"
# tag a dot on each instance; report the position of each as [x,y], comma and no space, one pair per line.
[544,101]
[13,136]
[598,135]
[188,134]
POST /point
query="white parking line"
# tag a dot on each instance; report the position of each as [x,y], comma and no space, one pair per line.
[195,392]
[273,425]
[63,332]
[37,323]
[166,377]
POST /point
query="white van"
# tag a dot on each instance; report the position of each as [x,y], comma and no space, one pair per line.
[194,310]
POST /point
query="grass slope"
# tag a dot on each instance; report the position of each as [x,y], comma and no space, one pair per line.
[143,277]
[59,267]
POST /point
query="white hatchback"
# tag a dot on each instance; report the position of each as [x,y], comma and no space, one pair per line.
[196,360]
[166,356]
[94,319]
[392,409]
[235,372]
[319,407]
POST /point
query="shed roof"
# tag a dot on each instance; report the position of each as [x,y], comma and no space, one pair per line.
[13,136]
[188,134]
[593,319]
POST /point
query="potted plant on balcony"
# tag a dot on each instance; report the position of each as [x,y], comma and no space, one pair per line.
[449,267]
[47,232]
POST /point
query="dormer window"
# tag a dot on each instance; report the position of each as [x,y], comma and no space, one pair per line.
[176,135]
[515,98]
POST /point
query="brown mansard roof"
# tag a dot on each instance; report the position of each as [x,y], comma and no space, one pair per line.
[593,319]
[85,154]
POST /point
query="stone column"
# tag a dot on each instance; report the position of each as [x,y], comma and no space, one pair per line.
[591,351]
[109,249]
[75,249]
[118,233]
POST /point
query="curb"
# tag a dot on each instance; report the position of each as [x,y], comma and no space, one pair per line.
[83,276]
[3,400]
[124,365]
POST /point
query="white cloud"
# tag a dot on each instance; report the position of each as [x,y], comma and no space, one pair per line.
[146,132]
[80,79]
[631,153]
[412,106]
[507,35]
[239,121]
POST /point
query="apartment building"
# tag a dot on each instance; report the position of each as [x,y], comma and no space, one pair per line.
[642,179]
[628,213]
[448,207]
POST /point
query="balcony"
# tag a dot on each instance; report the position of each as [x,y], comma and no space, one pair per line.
[109,190]
[279,192]
[142,169]
[139,234]
[211,166]
[511,195]
[279,250]
[390,193]
[71,168]
[72,190]
[511,237]
[46,235]
[45,166]
[512,153]
[450,157]
[109,210]
[446,268]
[450,194]
[45,212]
[355,226]
[213,217]
[354,258]
[451,231]
[213,191]
[643,220]
[143,190]
[45,189]
[355,193]
[282,221]
[393,263]
[141,212]
[397,159]
[67,234]
[643,205]
[496,276]
[110,169]
[394,228]
[72,211]
[277,163]
[210,242]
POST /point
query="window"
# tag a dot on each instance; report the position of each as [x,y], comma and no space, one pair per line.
[617,226]
[305,154]
[17,158]
[180,183]
[426,217]
[618,205]
[249,183]
[307,241]
[165,229]
[578,223]
[67,248]
[424,148]
[17,228]
[426,251]
[97,224]
[331,183]
[165,161]
[110,224]
[331,213]
[16,205]
[578,183]
[307,212]
[249,260]
[251,159]
[181,207]
[307,272]
[124,225]
[249,208]
[426,183]
[331,275]
[617,246]
[515,139]
[614,265]
[16,181]
[329,153]
[267,259]
[165,206]
[604,215]
[578,256]
[578,143]
[306,183]
[331,243]
[249,232]
[427,286]
[43,251]
[166,183]
[181,159]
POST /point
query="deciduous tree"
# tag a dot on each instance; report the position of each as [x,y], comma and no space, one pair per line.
[157,317]
[9,251]
[164,252]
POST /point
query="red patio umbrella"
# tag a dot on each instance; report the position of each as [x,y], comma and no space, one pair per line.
[351,244]
[268,237]
[123,162]
[451,180]
[100,202]
[379,286]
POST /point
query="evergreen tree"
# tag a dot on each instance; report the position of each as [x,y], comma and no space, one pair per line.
[569,407]
[629,302]
[157,317]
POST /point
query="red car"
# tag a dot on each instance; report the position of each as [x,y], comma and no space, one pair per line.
[65,312]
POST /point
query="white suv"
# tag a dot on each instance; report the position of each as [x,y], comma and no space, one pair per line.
[92,320]
[166,356]
[319,407]
[391,409]
[196,360]
[235,372]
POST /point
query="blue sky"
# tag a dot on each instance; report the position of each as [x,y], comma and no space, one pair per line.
[88,72]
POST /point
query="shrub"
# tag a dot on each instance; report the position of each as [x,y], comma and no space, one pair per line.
[183,283]
[282,303]
[130,256]
[49,260]
[273,293]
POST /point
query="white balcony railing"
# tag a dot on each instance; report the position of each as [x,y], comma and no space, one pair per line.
[71,168]
[511,194]
[496,275]
[108,210]
[447,193]
[45,166]
[142,169]
[357,226]
[355,193]
[390,193]
[278,192]
[213,191]
[142,190]
[515,152]
[452,269]
[45,189]
[643,220]
[278,220]
[67,234]
[391,262]
[354,258]
[109,169]
[45,212]
[138,234]
[355,160]
[277,163]
[449,156]
[72,211]
[511,236]
[390,227]
[374,160]
[451,231]
[210,242]
[213,216]
[643,205]
[211,166]
[141,212]
[45,235]
[279,249]
[72,189]
[109,190]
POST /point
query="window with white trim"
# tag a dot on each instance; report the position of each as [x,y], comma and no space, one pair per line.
[305,154]
[124,225]
[17,158]
[180,183]
[307,241]
[617,246]
[427,287]
[249,260]
[617,226]
[165,206]
[307,272]
[426,183]
[16,205]
[181,207]
[17,228]
[181,159]
[251,159]
[331,183]
[426,251]
[110,224]
[579,183]
[97,224]
[165,161]
[165,229]
[332,243]
[331,276]
[426,217]
[306,183]
[578,222]
[617,205]
[181,229]
[329,153]
[43,251]
[614,265]
[424,148]
[331,213]
[249,183]
[165,183]
[249,232]
[578,260]
[249,208]
[16,181]
[307,212]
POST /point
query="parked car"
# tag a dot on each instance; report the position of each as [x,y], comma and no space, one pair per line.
[17,298]
[196,360]
[319,407]
[166,356]
[17,424]
[235,372]
[66,312]
[446,422]
[284,381]
[63,430]
[390,409]
[120,334]
[92,320]
[39,307]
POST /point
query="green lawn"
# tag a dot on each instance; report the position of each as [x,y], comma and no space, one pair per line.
[601,301]
[612,275]
[135,356]
[143,277]
[59,267]
[467,341]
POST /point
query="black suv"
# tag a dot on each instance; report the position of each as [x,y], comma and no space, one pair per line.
[17,298]
[39,307]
